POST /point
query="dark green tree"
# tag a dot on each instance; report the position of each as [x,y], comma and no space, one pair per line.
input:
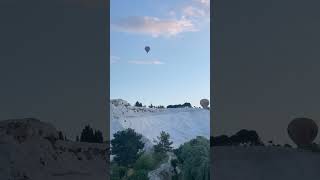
[98,138]
[60,136]
[87,134]
[195,159]
[138,104]
[90,135]
[126,146]
[163,143]
[139,175]
[118,172]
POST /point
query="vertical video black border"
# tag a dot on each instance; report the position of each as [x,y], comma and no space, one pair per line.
[212,97]
[107,104]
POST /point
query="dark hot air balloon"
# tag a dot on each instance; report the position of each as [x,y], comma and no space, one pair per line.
[302,131]
[147,48]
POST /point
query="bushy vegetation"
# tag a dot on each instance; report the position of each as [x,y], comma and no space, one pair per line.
[242,137]
[61,136]
[90,135]
[138,104]
[126,146]
[146,162]
[185,105]
[158,107]
[118,172]
[130,162]
[163,144]
[139,175]
[194,159]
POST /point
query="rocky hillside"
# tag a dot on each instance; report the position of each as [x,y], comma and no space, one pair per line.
[30,150]
[183,124]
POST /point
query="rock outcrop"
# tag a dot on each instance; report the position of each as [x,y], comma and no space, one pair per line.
[30,149]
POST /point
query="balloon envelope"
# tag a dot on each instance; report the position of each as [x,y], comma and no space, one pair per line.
[204,103]
[147,48]
[302,131]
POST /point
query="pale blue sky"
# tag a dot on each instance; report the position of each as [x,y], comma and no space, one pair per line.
[177,68]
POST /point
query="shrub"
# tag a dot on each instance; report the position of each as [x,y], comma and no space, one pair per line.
[139,175]
[146,162]
[195,159]
[91,136]
[163,143]
[118,172]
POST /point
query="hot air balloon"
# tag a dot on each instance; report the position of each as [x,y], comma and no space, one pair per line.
[302,131]
[204,103]
[147,48]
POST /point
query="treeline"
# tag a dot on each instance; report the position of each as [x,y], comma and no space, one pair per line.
[185,105]
[244,137]
[90,135]
[139,104]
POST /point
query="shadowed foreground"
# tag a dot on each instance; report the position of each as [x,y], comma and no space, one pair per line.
[31,150]
[263,163]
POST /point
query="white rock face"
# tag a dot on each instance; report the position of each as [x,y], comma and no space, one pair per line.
[29,149]
[183,124]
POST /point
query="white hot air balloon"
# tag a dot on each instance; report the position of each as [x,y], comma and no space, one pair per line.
[204,103]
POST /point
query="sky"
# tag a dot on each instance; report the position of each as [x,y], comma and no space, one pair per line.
[177,68]
[265,66]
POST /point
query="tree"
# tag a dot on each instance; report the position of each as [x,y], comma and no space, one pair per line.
[87,134]
[163,143]
[139,175]
[118,172]
[60,136]
[138,104]
[98,136]
[188,105]
[90,135]
[194,156]
[126,146]
[146,162]
[243,136]
[174,164]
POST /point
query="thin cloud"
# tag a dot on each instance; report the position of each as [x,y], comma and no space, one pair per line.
[154,26]
[197,12]
[114,59]
[204,2]
[188,18]
[146,62]
[191,11]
